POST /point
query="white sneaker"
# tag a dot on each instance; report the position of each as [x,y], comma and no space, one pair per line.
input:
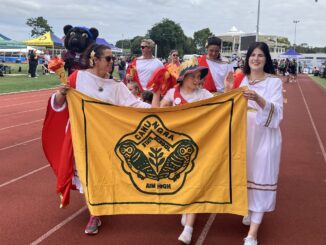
[249,240]
[185,237]
[183,219]
[246,220]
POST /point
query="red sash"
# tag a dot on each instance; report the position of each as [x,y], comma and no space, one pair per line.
[178,97]
[238,77]
[132,71]
[209,83]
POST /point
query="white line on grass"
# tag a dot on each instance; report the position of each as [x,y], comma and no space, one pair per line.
[206,229]
[22,124]
[313,124]
[57,227]
[21,143]
[23,176]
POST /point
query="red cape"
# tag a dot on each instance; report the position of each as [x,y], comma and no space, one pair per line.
[132,71]
[57,146]
[209,83]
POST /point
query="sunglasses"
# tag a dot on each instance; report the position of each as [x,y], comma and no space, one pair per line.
[142,47]
[109,58]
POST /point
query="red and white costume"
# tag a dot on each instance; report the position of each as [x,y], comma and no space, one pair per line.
[141,70]
[56,136]
[176,97]
[217,71]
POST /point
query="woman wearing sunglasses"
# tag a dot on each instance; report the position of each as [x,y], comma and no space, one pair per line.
[141,69]
[95,82]
[174,57]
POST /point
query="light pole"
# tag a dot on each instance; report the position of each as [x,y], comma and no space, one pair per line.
[295,32]
[258,15]
[122,44]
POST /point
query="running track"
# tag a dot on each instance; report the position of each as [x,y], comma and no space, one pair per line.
[30,211]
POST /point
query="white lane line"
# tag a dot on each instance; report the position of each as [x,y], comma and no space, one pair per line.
[22,143]
[23,176]
[313,124]
[28,91]
[20,97]
[20,112]
[23,124]
[57,227]
[25,103]
[206,229]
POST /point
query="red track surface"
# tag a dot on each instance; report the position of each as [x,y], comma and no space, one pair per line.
[29,205]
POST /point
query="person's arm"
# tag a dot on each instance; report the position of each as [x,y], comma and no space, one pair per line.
[252,95]
[270,113]
[156,99]
[165,103]
[228,82]
[60,95]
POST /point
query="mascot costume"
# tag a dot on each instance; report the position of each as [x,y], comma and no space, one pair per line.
[77,39]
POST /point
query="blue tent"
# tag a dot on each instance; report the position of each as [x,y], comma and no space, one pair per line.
[110,45]
[291,53]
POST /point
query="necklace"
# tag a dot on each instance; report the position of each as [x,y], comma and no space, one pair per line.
[253,82]
[99,87]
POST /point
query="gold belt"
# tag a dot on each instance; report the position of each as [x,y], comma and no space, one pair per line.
[251,109]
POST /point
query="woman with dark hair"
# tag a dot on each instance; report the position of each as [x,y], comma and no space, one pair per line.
[95,82]
[264,141]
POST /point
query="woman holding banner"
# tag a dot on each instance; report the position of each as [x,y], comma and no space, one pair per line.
[96,83]
[264,141]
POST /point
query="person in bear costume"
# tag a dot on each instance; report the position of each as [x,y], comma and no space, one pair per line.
[76,40]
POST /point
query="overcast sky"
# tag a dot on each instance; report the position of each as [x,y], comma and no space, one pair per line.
[128,18]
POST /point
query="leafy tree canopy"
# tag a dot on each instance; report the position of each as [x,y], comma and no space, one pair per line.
[39,26]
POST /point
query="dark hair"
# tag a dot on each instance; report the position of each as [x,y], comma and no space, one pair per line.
[268,67]
[97,48]
[147,96]
[214,41]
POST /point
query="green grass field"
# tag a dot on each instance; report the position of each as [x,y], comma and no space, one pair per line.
[319,80]
[19,81]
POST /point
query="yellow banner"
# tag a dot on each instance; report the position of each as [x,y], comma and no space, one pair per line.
[184,159]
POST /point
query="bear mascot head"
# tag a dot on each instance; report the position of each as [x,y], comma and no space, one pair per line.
[76,41]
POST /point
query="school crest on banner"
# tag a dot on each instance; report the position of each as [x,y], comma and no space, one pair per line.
[184,159]
[154,153]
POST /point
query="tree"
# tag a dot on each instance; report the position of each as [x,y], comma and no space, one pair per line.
[189,46]
[39,26]
[283,40]
[135,45]
[125,44]
[167,35]
[200,39]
